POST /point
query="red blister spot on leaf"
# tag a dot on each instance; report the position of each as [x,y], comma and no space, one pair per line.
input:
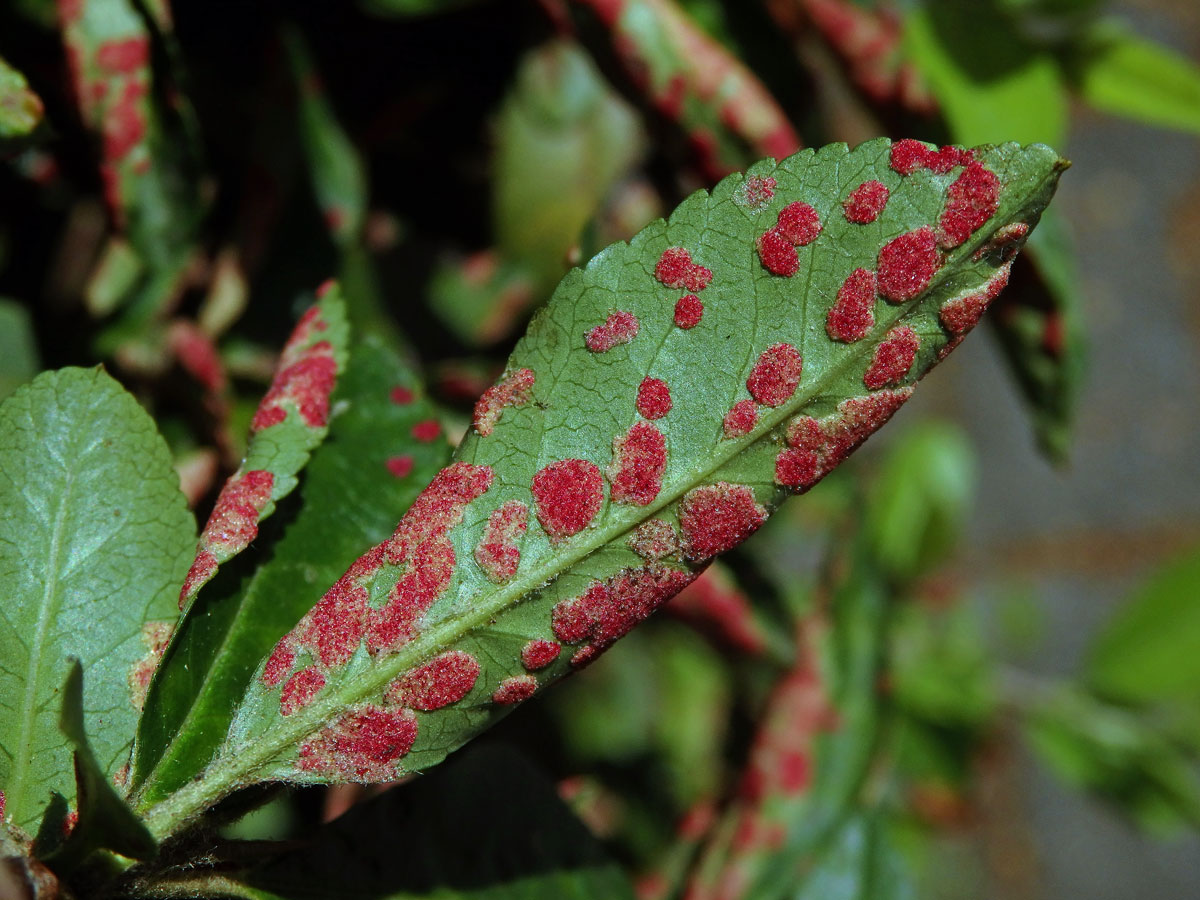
[204,567]
[305,378]
[514,390]
[960,314]
[654,539]
[853,315]
[776,375]
[756,191]
[653,398]
[907,264]
[300,690]
[619,328]
[971,200]
[402,396]
[567,494]
[427,431]
[123,57]
[537,654]
[688,311]
[799,223]
[777,253]
[400,466]
[908,156]
[497,552]
[796,468]
[638,464]
[234,520]
[676,269]
[718,517]
[443,680]
[279,663]
[364,745]
[515,690]
[833,438]
[740,419]
[893,358]
[864,204]
[155,636]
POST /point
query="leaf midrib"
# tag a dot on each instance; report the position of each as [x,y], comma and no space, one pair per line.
[227,774]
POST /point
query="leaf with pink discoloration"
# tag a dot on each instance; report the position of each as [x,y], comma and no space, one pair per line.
[574,448]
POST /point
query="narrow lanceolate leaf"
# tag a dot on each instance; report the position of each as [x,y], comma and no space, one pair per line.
[94,540]
[381,450]
[670,396]
[20,108]
[291,420]
[728,114]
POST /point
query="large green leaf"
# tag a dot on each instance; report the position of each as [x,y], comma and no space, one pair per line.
[537,536]
[358,483]
[95,539]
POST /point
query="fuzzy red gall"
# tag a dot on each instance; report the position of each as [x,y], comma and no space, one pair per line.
[567,494]
[970,201]
[653,398]
[864,204]
[960,314]
[234,520]
[893,358]
[300,690]
[537,654]
[908,156]
[443,680]
[796,468]
[718,517]
[638,465]
[400,466]
[675,269]
[907,265]
[306,384]
[279,663]
[123,57]
[364,745]
[203,568]
[619,328]
[513,390]
[755,192]
[402,396]
[515,690]
[497,552]
[333,628]
[741,419]
[654,539]
[853,315]
[799,223]
[427,431]
[688,311]
[777,253]
[776,375]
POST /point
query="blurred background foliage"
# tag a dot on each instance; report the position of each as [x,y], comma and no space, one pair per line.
[829,713]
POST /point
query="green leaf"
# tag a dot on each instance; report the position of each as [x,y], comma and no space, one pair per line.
[20,108]
[861,862]
[1150,650]
[503,546]
[95,539]
[18,347]
[105,821]
[291,420]
[358,483]
[992,84]
[488,826]
[1118,72]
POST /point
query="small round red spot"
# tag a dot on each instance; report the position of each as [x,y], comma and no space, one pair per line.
[514,390]
[300,690]
[653,398]
[970,201]
[363,745]
[795,468]
[777,253]
[427,431]
[740,419]
[568,494]
[402,396]
[538,654]
[688,311]
[400,466]
[866,202]
[852,316]
[443,680]
[638,464]
[718,517]
[497,552]
[776,375]
[893,358]
[907,265]
[619,328]
[908,156]
[676,269]
[799,223]
[756,191]
[515,689]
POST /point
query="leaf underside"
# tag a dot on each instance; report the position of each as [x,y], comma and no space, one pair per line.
[532,553]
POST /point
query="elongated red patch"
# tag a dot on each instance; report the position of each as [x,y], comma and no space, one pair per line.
[907,264]
[853,315]
[718,517]
[960,314]
[497,552]
[567,495]
[619,328]
[776,375]
[638,464]
[300,690]
[234,520]
[514,390]
[364,745]
[445,679]
[653,398]
[864,204]
[893,358]
[515,690]
[908,156]
[971,200]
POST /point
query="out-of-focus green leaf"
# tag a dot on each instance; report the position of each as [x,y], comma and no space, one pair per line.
[1118,72]
[358,483]
[920,500]
[105,821]
[94,543]
[18,347]
[487,826]
[1150,650]
[991,83]
[859,863]
[526,539]
[20,108]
